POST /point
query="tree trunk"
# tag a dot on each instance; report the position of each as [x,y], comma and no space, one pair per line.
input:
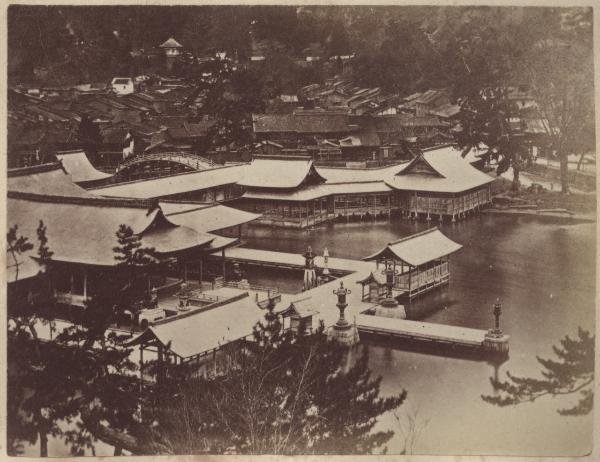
[516,183]
[43,444]
[118,451]
[564,171]
[580,163]
[121,440]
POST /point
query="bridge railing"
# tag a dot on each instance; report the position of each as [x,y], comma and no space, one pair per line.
[191,160]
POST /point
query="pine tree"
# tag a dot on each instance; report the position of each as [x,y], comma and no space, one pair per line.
[83,371]
[571,373]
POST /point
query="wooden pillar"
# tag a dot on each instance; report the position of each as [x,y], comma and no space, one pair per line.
[215,361]
[428,208]
[347,216]
[84,284]
[200,273]
[141,364]
[161,361]
[223,258]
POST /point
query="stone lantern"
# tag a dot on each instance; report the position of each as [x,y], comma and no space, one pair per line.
[342,331]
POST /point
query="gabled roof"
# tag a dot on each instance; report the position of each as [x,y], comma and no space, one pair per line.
[46,179]
[418,249]
[205,218]
[303,308]
[171,43]
[420,165]
[279,172]
[456,174]
[83,229]
[204,330]
[446,110]
[374,276]
[77,164]
[430,96]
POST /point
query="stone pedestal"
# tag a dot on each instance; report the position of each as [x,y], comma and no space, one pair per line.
[496,343]
[397,311]
[345,335]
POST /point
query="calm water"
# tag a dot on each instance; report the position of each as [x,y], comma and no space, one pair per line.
[544,274]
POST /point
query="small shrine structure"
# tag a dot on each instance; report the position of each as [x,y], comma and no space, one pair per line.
[419,263]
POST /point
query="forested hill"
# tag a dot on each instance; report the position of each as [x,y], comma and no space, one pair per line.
[399,48]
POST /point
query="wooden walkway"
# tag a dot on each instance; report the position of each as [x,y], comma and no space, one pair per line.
[286,260]
[351,272]
[420,331]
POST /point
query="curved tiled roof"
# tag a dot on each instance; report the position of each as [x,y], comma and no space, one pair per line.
[47,179]
[279,172]
[451,173]
[77,164]
[419,248]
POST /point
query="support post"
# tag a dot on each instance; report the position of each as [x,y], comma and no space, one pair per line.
[224,271]
[85,285]
[200,273]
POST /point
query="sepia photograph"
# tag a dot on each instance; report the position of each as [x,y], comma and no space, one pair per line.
[299,229]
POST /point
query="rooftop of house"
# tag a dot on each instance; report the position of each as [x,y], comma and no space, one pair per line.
[122,81]
[171,43]
[302,122]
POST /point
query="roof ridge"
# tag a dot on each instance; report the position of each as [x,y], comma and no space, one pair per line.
[278,157]
[41,168]
[439,146]
[141,180]
[412,236]
[81,200]
[188,210]
[70,151]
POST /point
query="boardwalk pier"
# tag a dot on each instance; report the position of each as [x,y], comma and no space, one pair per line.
[352,273]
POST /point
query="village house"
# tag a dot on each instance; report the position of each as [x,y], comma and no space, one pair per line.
[122,85]
[171,47]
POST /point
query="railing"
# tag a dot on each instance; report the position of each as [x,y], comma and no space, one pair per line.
[67,298]
[246,286]
[191,160]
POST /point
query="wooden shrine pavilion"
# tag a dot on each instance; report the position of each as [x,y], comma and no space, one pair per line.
[420,263]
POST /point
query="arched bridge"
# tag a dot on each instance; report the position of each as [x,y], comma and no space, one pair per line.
[162,162]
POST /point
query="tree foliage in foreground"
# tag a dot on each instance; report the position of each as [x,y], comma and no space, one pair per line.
[82,378]
[285,394]
[571,373]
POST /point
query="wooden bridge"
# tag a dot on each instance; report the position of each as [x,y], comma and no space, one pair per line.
[192,161]
[284,260]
